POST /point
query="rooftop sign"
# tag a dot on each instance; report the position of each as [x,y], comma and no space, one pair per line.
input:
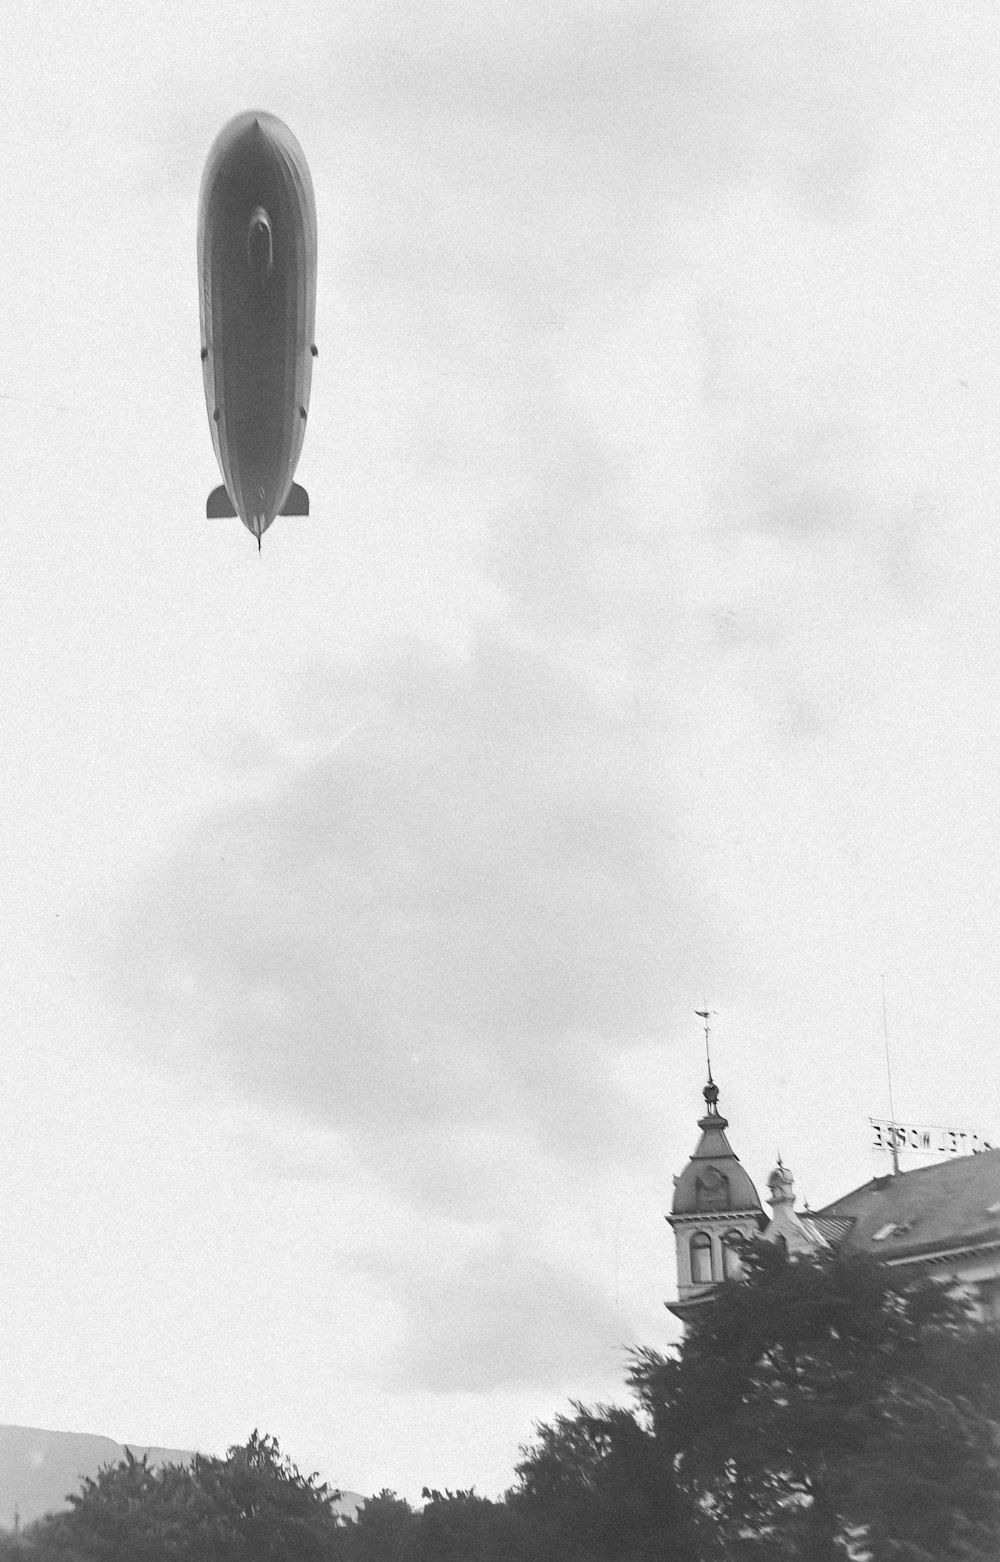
[924,1140]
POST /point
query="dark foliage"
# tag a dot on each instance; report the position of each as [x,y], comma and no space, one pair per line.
[457,1526]
[252,1506]
[599,1486]
[382,1531]
[463,1527]
[810,1402]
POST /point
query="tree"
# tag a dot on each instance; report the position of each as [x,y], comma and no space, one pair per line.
[460,1526]
[262,1508]
[128,1510]
[932,1492]
[382,1530]
[252,1506]
[799,1412]
[599,1486]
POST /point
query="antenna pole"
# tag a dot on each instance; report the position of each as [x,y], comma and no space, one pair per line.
[893,1145]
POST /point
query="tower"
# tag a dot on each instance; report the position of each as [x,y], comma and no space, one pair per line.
[797,1233]
[715,1205]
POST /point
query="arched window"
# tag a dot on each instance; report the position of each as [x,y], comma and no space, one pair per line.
[731,1266]
[701,1259]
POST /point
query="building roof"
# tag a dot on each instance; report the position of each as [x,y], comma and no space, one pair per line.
[713,1181]
[951,1205]
[826,1230]
[799,1230]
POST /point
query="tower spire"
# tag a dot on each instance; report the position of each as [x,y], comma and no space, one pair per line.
[706,1014]
[714,1202]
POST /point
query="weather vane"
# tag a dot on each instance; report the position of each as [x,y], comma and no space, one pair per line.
[706,1014]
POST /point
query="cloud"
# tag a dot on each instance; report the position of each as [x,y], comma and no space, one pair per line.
[451,919]
[514,1315]
[548,159]
[438,921]
[437,928]
[540,154]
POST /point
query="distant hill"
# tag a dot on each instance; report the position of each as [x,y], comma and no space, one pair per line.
[39,1470]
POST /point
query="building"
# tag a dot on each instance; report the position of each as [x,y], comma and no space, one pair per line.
[799,1231]
[941,1220]
[715,1206]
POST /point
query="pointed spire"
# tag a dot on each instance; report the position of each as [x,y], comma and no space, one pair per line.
[713,1148]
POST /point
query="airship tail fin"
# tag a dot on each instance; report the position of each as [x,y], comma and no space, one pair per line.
[297,502]
[220,505]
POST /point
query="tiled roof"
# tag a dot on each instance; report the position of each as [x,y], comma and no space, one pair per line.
[825,1230]
[714,1151]
[952,1204]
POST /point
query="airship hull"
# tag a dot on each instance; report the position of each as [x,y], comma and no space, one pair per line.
[257,270]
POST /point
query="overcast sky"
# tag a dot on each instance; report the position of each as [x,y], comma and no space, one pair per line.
[640,650]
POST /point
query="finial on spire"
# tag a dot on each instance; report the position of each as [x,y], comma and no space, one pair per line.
[705,1014]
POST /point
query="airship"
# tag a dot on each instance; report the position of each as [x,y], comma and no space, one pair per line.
[257,278]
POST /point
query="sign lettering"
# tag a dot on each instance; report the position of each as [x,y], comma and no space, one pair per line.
[924,1140]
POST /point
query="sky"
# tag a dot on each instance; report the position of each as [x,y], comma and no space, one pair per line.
[639,654]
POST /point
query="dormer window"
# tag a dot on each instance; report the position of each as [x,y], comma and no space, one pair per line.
[891,1229]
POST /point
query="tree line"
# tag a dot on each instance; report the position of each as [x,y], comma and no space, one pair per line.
[819,1408]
